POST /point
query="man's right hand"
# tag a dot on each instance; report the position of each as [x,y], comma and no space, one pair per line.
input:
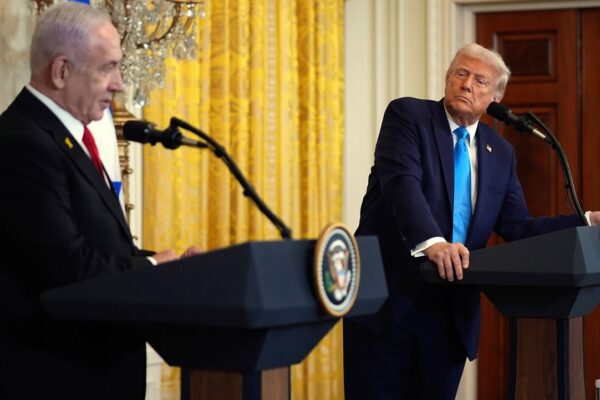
[170,255]
[165,256]
[450,258]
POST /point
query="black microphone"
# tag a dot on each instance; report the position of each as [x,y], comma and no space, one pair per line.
[522,124]
[145,132]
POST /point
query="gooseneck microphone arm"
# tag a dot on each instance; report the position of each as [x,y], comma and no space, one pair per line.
[524,124]
[249,191]
[564,163]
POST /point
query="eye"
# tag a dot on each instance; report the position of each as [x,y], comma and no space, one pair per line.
[110,66]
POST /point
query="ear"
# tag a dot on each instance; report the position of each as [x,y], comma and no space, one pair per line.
[59,71]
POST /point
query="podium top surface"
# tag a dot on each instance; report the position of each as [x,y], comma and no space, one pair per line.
[251,285]
[567,258]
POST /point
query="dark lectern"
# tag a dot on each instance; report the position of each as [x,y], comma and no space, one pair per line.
[545,284]
[239,311]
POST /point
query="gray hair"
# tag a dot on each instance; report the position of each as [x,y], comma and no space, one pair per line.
[473,50]
[64,29]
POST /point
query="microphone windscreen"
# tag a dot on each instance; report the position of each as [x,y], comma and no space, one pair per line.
[498,111]
[137,131]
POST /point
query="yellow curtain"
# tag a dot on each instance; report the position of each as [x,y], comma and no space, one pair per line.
[267,85]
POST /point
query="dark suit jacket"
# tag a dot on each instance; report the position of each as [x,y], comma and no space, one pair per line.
[59,224]
[409,200]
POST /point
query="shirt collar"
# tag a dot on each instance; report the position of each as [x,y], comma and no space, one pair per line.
[73,125]
[472,129]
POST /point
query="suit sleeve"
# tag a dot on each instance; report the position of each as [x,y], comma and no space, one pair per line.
[514,221]
[39,228]
[399,165]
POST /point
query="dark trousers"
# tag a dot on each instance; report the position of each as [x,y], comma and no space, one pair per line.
[33,373]
[421,357]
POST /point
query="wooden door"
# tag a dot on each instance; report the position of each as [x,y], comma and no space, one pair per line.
[555,59]
[590,161]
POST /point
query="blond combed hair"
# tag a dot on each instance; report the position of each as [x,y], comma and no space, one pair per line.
[492,57]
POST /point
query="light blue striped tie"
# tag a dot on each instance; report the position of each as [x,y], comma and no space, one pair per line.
[462,187]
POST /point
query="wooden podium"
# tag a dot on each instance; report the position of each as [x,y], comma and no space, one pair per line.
[234,319]
[545,285]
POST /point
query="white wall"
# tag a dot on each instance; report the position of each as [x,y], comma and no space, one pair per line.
[385,58]
[16,27]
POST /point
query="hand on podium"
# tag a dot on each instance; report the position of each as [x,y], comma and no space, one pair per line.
[450,259]
[170,255]
[192,251]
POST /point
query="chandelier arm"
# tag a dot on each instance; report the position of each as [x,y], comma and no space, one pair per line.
[189,25]
[155,34]
[159,39]
[127,17]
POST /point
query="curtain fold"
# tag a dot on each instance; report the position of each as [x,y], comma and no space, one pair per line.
[268,86]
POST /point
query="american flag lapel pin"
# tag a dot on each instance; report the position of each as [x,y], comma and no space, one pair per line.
[489,148]
[68,142]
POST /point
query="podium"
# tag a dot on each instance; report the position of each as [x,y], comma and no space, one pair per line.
[545,284]
[238,311]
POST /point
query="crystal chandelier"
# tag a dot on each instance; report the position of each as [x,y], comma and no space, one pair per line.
[151,30]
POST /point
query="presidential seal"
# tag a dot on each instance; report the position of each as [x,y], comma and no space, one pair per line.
[336,269]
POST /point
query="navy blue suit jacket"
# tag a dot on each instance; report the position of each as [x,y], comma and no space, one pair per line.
[409,200]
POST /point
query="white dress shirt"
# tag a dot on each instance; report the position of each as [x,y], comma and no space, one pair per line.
[472,147]
[418,250]
[73,125]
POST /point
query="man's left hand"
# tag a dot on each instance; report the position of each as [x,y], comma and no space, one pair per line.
[192,251]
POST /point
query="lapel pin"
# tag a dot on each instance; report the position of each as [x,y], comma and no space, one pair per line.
[489,148]
[68,142]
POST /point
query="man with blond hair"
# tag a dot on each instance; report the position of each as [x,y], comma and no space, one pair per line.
[441,183]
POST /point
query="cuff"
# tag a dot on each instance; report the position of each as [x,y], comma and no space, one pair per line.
[587,218]
[421,247]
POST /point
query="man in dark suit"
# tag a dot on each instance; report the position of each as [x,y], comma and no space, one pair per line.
[415,347]
[60,219]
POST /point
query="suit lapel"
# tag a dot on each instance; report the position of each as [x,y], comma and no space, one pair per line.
[483,174]
[67,143]
[87,169]
[445,146]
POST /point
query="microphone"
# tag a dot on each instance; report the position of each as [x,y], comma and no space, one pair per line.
[145,132]
[522,124]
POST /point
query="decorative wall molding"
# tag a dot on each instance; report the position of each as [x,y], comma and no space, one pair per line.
[385,59]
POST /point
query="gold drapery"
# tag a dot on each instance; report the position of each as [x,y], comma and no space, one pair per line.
[267,85]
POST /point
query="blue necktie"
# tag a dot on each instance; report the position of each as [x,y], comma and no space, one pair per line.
[462,187]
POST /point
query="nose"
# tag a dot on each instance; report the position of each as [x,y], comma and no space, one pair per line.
[116,84]
[467,83]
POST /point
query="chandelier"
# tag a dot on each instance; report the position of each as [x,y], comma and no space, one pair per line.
[151,31]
